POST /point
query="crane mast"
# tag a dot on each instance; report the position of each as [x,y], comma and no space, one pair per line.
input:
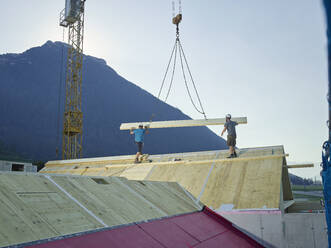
[72,17]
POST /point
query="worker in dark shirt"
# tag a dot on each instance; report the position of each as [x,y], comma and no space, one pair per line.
[139,135]
[230,127]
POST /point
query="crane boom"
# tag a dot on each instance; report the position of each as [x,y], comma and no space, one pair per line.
[72,17]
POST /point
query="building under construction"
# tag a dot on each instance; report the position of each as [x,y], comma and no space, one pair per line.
[197,199]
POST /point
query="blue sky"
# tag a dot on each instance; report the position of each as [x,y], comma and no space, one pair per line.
[262,59]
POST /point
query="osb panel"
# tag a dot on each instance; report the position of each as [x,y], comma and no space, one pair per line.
[246,185]
[252,181]
[138,172]
[191,177]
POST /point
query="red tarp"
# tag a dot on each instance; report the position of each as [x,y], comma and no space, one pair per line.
[204,229]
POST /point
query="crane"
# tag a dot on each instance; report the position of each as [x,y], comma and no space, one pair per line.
[72,17]
[326,154]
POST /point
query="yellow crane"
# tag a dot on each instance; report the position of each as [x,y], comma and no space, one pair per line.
[72,17]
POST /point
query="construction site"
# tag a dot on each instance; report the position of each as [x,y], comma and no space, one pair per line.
[202,199]
[92,202]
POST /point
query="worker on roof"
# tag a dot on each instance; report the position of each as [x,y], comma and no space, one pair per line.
[230,127]
[139,139]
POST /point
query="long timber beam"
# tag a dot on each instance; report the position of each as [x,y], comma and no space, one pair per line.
[297,166]
[182,123]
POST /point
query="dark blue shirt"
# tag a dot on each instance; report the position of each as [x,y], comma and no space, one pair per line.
[231,128]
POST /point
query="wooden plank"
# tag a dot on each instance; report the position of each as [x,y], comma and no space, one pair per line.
[288,204]
[254,184]
[138,172]
[188,176]
[97,160]
[82,162]
[243,183]
[286,184]
[297,166]
[239,159]
[182,123]
[210,161]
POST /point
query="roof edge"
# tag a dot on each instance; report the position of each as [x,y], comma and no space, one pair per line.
[131,157]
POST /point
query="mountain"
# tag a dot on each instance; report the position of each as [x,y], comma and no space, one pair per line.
[296,180]
[29,99]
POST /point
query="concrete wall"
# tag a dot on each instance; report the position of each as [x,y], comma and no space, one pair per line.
[5,166]
[30,168]
[295,230]
[306,230]
[8,165]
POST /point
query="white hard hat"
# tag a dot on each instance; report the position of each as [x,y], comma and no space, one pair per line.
[228,116]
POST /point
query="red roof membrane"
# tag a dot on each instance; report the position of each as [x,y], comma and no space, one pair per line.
[204,229]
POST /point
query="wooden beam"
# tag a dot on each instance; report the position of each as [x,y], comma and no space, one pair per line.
[288,204]
[211,161]
[297,166]
[238,159]
[182,123]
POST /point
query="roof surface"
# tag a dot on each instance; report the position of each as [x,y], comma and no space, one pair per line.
[36,206]
[252,181]
[203,229]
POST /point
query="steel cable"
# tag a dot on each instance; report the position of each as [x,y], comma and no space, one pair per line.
[196,91]
[173,73]
[165,75]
